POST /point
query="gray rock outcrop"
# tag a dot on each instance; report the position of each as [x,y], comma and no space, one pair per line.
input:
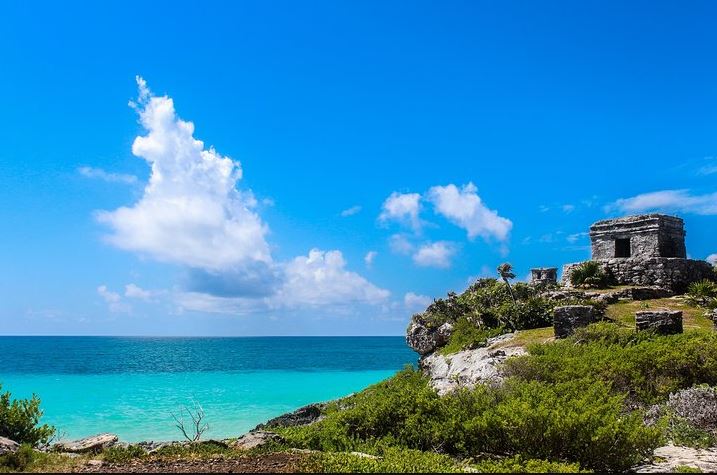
[470,367]
[89,444]
[424,339]
[669,457]
[257,438]
[303,416]
[8,446]
[663,321]
[568,318]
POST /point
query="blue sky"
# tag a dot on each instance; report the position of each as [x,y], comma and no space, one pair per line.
[358,158]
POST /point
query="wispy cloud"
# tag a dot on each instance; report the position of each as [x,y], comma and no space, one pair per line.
[351,211]
[668,200]
[414,301]
[100,174]
[369,258]
[403,208]
[573,238]
[712,259]
[568,208]
[437,254]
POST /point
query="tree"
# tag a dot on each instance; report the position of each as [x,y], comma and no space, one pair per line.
[505,271]
[20,420]
[198,426]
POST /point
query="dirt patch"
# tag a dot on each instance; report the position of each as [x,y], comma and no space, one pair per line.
[265,463]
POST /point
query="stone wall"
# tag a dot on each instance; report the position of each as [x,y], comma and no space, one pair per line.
[671,273]
[663,321]
[649,235]
[544,275]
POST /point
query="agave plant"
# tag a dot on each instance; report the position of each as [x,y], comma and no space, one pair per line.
[702,293]
[588,274]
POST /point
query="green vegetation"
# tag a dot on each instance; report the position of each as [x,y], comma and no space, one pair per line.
[193,450]
[391,460]
[517,464]
[686,469]
[644,366]
[487,309]
[588,275]
[702,294]
[681,432]
[623,312]
[20,418]
[121,454]
[572,421]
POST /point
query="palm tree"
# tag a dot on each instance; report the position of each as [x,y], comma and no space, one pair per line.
[505,271]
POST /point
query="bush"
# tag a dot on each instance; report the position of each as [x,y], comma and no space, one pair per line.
[646,366]
[20,460]
[702,294]
[19,420]
[467,335]
[518,464]
[577,421]
[119,454]
[391,460]
[588,274]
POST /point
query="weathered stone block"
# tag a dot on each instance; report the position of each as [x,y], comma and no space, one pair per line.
[570,317]
[663,321]
[544,276]
[668,272]
[647,235]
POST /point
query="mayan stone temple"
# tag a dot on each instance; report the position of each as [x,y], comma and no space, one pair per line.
[644,250]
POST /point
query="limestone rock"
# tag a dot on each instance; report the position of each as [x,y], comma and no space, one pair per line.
[669,457]
[663,321]
[570,317]
[88,444]
[425,340]
[8,446]
[303,416]
[256,439]
[470,367]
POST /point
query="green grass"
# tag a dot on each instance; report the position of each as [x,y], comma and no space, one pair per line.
[623,312]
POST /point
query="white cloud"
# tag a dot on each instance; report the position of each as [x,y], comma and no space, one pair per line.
[321,278]
[568,208]
[133,291]
[464,208]
[437,254]
[193,215]
[100,174]
[572,238]
[369,258]
[113,300]
[543,208]
[414,301]
[351,211]
[668,200]
[191,212]
[402,207]
[712,259]
[400,244]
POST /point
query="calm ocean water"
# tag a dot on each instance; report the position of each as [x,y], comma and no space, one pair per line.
[131,386]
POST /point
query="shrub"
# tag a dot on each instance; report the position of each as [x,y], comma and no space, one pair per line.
[702,294]
[19,420]
[391,460]
[193,449]
[646,366]
[588,274]
[467,335]
[20,460]
[518,464]
[119,454]
[578,421]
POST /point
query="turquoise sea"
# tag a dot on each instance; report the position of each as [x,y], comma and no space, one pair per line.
[131,386]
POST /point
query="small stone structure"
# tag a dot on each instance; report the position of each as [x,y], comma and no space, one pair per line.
[544,276]
[647,235]
[663,321]
[645,250]
[570,317]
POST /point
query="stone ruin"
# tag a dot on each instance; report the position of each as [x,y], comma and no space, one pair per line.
[663,321]
[544,276]
[645,250]
[568,318]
